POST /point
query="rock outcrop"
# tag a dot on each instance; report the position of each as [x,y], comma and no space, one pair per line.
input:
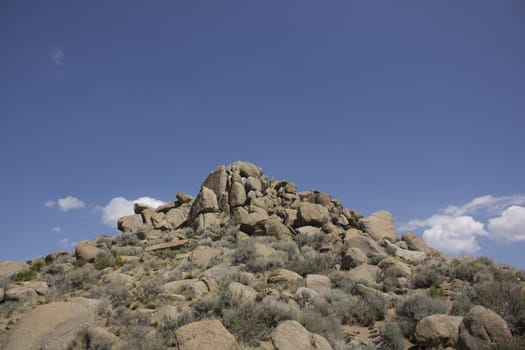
[54,325]
[204,335]
[480,328]
[290,335]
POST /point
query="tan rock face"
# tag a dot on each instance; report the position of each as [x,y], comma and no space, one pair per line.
[381,225]
[353,257]
[9,267]
[367,273]
[176,217]
[130,223]
[395,267]
[202,256]
[273,227]
[368,246]
[291,335]
[204,335]
[2,294]
[283,275]
[55,325]
[176,243]
[438,331]
[312,214]
[20,293]
[242,292]
[87,250]
[415,242]
[319,283]
[237,194]
[481,327]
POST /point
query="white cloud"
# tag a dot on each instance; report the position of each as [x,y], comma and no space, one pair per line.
[57,56]
[56,229]
[510,226]
[455,232]
[66,204]
[456,235]
[66,243]
[120,206]
[70,203]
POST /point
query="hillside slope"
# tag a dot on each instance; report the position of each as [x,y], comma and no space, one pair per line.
[251,263]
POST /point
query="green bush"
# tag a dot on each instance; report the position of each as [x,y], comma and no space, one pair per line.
[369,309]
[414,308]
[427,276]
[103,263]
[24,276]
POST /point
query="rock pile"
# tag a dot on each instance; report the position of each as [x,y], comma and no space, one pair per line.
[250,261]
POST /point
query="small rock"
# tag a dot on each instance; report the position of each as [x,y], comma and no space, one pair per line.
[365,272]
[87,250]
[395,267]
[415,242]
[99,338]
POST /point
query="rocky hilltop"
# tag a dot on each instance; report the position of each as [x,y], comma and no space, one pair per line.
[251,263]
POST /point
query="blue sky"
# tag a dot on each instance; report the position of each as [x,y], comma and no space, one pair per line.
[410,106]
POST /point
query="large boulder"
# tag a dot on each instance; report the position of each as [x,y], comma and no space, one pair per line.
[415,242]
[368,246]
[205,335]
[273,226]
[381,225]
[408,255]
[88,251]
[20,293]
[237,194]
[438,331]
[366,273]
[283,276]
[395,267]
[353,257]
[2,294]
[247,169]
[319,283]
[9,267]
[480,328]
[203,256]
[130,223]
[242,292]
[312,214]
[291,335]
[54,325]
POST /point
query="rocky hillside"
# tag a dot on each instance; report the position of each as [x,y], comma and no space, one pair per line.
[251,263]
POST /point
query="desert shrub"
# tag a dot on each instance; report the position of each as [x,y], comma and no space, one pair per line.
[312,262]
[506,299]
[245,252]
[328,327]
[24,276]
[436,293]
[514,343]
[427,276]
[369,309]
[392,337]
[461,304]
[289,247]
[79,262]
[38,265]
[250,322]
[310,240]
[103,263]
[472,269]
[127,239]
[140,338]
[261,264]
[414,308]
[337,303]
[82,277]
[389,280]
[340,280]
[390,250]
